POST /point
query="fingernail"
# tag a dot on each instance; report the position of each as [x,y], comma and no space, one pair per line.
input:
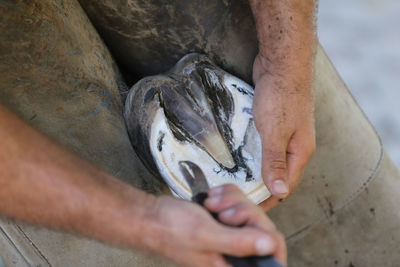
[215,191]
[279,187]
[214,200]
[228,213]
[264,246]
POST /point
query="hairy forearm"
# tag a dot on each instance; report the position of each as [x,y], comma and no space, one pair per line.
[44,183]
[286,34]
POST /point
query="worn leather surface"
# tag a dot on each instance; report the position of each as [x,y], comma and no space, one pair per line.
[149,37]
[58,76]
[362,232]
[344,212]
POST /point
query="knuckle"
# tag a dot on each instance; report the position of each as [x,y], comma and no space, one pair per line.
[275,159]
[242,211]
[226,199]
[278,164]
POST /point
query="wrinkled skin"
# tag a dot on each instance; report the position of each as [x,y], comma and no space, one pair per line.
[285,121]
[283,103]
[55,188]
[189,229]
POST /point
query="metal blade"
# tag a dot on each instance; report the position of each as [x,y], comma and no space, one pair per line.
[194,176]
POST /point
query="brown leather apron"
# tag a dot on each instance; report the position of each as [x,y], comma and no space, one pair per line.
[57,74]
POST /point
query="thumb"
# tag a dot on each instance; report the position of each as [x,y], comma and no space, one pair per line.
[274,165]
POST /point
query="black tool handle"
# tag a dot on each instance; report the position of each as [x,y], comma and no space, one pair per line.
[252,261]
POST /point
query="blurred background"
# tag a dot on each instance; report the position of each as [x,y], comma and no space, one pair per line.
[362,38]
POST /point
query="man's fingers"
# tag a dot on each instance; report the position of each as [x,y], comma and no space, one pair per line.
[250,242]
[201,259]
[259,235]
[222,189]
[280,251]
[246,214]
[300,149]
[214,260]
[226,200]
[269,203]
[274,165]
[241,242]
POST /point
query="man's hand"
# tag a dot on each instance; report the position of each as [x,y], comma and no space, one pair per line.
[187,234]
[284,118]
[283,104]
[53,187]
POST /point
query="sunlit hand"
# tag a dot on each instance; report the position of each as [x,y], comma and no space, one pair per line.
[283,114]
[187,234]
[235,209]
